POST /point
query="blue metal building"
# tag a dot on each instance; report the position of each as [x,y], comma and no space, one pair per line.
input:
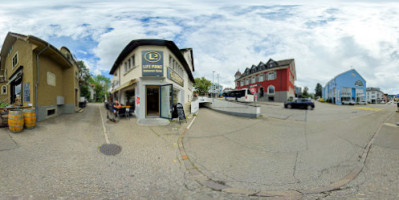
[349,85]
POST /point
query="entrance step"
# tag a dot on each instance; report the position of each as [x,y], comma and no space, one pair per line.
[153,122]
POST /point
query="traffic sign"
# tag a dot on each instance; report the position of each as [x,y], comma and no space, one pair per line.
[253,90]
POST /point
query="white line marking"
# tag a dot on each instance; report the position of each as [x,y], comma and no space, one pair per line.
[105,131]
[188,127]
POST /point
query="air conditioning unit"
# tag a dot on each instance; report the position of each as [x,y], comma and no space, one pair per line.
[60,100]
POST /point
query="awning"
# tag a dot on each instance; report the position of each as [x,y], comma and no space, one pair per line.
[16,75]
[125,85]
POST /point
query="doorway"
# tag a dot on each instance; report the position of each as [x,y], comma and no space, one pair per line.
[16,91]
[152,100]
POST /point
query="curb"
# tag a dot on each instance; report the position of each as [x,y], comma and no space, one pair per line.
[216,185]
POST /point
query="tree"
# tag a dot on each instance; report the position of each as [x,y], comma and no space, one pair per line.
[101,86]
[318,90]
[84,79]
[202,85]
[305,93]
[84,73]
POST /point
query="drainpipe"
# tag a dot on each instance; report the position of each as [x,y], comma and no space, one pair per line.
[37,78]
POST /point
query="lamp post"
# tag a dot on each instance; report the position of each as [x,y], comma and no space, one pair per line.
[213,85]
[218,85]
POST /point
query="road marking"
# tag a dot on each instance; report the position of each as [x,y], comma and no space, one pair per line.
[369,109]
[104,130]
[188,127]
[391,125]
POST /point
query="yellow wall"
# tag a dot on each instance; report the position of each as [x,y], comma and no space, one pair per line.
[47,94]
[24,50]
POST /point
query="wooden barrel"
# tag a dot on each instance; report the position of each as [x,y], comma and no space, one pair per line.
[15,121]
[29,118]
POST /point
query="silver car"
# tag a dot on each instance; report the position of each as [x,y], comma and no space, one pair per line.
[362,103]
[348,102]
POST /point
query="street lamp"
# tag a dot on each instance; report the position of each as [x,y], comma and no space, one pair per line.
[213,85]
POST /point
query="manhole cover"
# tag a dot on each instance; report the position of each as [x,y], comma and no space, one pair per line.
[110,149]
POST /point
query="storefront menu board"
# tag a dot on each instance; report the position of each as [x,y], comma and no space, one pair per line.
[27,92]
[180,112]
[152,63]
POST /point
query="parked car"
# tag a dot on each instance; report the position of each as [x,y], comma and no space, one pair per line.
[362,103]
[348,102]
[299,103]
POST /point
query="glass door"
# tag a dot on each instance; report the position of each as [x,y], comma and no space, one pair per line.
[166,101]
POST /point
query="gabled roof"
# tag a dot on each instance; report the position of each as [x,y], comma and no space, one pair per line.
[153,42]
[263,66]
[41,44]
[344,73]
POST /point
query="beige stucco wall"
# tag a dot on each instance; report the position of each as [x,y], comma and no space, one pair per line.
[25,59]
[137,71]
[47,94]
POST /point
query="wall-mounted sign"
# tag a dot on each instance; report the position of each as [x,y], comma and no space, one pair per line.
[359,83]
[172,75]
[152,63]
[27,92]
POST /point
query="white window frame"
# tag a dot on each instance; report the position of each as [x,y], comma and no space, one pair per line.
[261,78]
[2,89]
[12,60]
[272,75]
[268,89]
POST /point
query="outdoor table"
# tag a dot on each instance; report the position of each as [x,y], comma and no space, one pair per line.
[121,109]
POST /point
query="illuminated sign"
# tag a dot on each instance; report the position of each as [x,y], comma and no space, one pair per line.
[152,63]
[172,75]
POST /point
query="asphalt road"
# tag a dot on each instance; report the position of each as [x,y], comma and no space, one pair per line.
[287,149]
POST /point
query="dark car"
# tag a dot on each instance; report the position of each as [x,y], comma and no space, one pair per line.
[300,103]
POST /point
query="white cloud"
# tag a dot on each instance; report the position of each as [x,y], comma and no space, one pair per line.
[324,38]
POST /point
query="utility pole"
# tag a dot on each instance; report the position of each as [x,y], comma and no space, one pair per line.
[218,85]
[213,85]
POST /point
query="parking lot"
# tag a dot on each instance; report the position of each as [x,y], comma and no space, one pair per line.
[285,149]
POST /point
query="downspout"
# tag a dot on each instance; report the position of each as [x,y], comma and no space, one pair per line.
[37,79]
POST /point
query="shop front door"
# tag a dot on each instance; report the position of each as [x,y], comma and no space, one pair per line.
[152,100]
[166,101]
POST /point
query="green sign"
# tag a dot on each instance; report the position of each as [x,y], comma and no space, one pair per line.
[152,63]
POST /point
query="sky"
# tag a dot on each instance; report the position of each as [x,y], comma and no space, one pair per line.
[325,38]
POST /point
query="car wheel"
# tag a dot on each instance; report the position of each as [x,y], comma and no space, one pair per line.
[309,107]
[289,106]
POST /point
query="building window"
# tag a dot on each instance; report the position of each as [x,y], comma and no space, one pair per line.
[4,89]
[51,79]
[133,61]
[270,89]
[246,81]
[253,79]
[272,76]
[261,77]
[242,83]
[15,60]
[51,112]
[126,67]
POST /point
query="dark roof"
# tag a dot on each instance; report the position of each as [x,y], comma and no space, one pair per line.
[262,66]
[285,62]
[154,42]
[238,73]
[11,36]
